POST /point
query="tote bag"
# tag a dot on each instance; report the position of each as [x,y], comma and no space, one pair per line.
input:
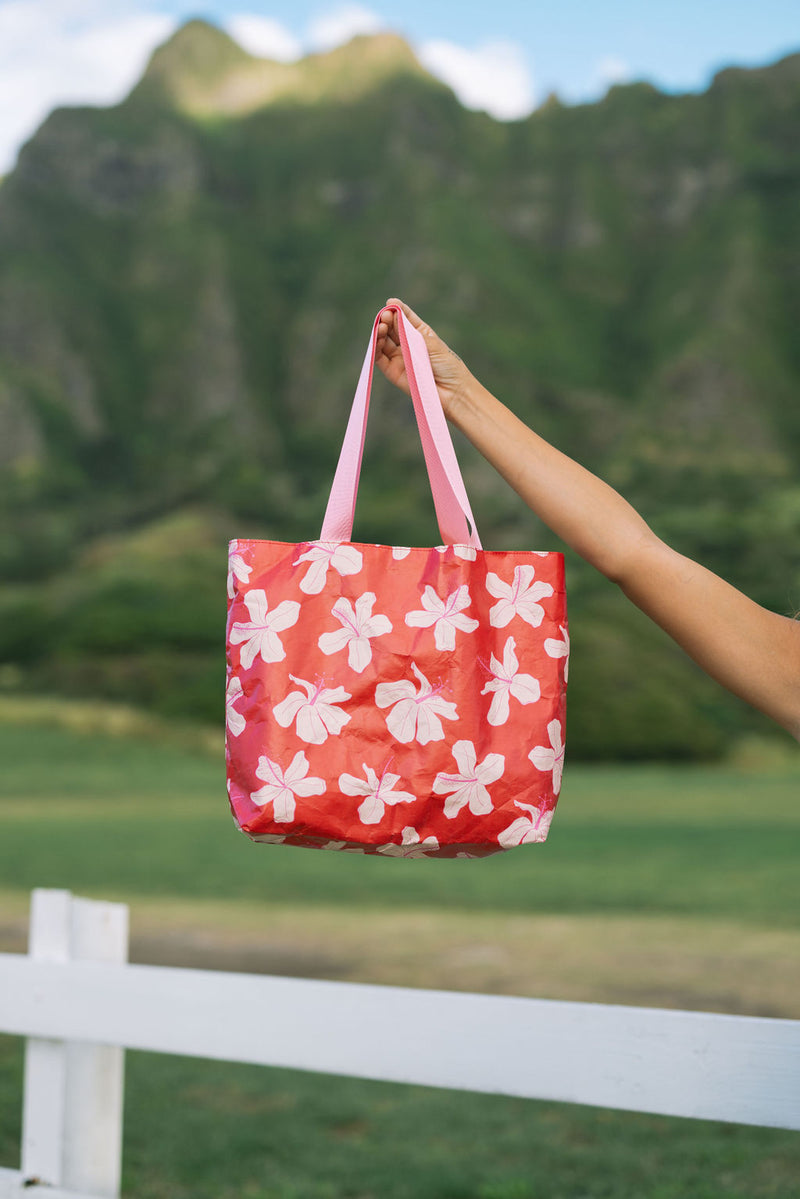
[389,699]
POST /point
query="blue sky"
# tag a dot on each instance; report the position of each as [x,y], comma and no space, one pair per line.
[504,56]
[676,44]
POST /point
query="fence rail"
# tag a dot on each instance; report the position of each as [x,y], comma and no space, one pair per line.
[80,1014]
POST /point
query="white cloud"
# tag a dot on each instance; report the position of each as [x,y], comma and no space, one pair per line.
[56,52]
[264,37]
[611,69]
[331,29]
[495,76]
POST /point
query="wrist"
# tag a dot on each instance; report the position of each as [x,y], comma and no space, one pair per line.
[469,398]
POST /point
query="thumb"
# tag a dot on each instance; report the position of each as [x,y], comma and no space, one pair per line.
[415,320]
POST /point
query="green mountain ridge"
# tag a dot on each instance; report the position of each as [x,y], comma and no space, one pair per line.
[203,72]
[187,282]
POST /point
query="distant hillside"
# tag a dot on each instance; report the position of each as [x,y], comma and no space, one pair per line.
[187,282]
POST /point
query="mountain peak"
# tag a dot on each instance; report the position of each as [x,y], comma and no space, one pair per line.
[197,51]
[201,70]
[372,49]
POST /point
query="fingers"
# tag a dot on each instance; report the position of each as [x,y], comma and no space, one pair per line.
[386,327]
[432,338]
[388,340]
[416,321]
[387,346]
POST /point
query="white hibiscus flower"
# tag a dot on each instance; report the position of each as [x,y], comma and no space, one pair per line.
[259,634]
[315,711]
[358,626]
[344,558]
[415,714]
[507,682]
[411,846]
[469,786]
[444,615]
[233,719]
[281,786]
[378,791]
[559,649]
[551,757]
[461,551]
[400,551]
[518,598]
[237,568]
[526,829]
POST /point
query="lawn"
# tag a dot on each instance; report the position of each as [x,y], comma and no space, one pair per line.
[120,817]
[207,1130]
[674,886]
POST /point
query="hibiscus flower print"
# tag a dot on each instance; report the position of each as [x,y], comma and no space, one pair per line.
[469,787]
[378,791]
[281,786]
[518,598]
[551,757]
[415,714]
[508,682]
[358,626]
[237,569]
[559,649]
[260,634]
[400,551]
[445,616]
[411,845]
[526,829]
[344,558]
[233,719]
[314,708]
[461,551]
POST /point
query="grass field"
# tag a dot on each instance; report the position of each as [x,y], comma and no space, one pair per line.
[125,817]
[676,887]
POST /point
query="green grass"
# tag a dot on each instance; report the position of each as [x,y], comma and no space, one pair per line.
[206,1130]
[124,817]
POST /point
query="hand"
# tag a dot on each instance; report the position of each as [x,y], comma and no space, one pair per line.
[449,372]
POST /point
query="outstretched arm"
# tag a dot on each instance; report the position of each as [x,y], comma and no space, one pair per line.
[751,651]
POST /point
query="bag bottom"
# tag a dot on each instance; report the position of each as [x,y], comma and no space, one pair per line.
[409,848]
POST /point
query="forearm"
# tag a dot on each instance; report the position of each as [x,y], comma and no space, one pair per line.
[753,652]
[581,509]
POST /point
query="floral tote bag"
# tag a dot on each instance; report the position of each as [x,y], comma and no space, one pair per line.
[391,699]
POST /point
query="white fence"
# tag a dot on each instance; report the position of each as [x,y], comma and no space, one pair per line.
[81,1004]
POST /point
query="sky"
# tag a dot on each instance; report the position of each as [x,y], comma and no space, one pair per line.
[503,56]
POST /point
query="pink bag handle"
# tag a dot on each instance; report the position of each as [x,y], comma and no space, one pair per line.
[453,511]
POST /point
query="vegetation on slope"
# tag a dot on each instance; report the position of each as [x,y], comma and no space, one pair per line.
[187,282]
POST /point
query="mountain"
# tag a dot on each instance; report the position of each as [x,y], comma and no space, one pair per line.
[187,283]
[203,72]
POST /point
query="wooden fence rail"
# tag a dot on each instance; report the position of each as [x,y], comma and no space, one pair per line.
[80,1004]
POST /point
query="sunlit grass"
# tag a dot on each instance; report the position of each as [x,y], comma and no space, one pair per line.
[658,885]
[124,816]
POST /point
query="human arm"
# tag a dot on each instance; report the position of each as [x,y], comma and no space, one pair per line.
[753,652]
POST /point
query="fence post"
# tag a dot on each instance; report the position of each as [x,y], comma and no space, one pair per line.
[45,1060]
[72,1109]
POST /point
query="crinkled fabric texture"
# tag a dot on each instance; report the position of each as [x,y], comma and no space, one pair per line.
[381,699]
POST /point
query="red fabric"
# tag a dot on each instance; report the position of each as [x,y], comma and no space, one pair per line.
[423,716]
